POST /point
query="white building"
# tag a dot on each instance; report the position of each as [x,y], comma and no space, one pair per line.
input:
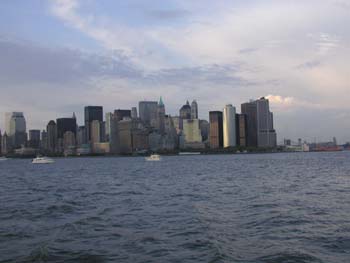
[229,126]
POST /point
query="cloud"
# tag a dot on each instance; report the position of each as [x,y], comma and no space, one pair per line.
[168,14]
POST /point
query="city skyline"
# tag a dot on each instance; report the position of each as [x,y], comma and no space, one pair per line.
[114,54]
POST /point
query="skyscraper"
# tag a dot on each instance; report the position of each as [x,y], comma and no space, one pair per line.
[161,117]
[249,109]
[51,129]
[92,113]
[34,139]
[229,126]
[260,130]
[241,128]
[194,110]
[64,125]
[216,129]
[266,132]
[185,111]
[17,128]
[121,114]
[148,112]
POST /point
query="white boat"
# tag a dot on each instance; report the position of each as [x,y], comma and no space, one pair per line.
[3,159]
[42,160]
[153,157]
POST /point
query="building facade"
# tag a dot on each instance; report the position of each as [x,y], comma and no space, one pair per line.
[216,139]
[229,126]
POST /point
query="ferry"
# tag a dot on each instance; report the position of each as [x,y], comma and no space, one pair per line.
[153,157]
[42,160]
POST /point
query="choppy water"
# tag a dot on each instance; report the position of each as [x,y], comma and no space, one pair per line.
[224,208]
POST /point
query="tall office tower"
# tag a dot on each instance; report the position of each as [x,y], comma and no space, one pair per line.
[108,119]
[161,117]
[64,125]
[249,109]
[229,126]
[194,110]
[51,130]
[81,136]
[266,133]
[17,128]
[34,139]
[113,132]
[95,133]
[92,113]
[192,131]
[122,114]
[5,144]
[216,130]
[185,111]
[241,128]
[148,112]
[134,113]
[43,141]
[0,143]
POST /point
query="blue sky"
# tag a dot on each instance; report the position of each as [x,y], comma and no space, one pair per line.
[59,55]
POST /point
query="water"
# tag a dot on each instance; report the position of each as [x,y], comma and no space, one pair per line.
[224,208]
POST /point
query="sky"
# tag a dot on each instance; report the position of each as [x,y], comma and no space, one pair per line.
[57,56]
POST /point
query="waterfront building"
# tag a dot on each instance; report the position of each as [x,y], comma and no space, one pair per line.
[177,121]
[216,129]
[108,119]
[204,127]
[0,142]
[51,129]
[5,141]
[260,128]
[192,134]
[92,113]
[17,130]
[133,136]
[81,136]
[266,132]
[229,126]
[43,141]
[185,111]
[148,112]
[249,109]
[112,129]
[64,125]
[8,116]
[241,124]
[34,139]
[194,110]
[69,143]
[161,117]
[95,133]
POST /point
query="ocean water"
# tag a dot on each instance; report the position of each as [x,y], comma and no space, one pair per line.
[292,207]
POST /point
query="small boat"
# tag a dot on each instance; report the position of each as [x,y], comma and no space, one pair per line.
[153,157]
[42,160]
[3,159]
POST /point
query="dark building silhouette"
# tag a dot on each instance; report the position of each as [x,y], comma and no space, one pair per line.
[250,110]
[51,130]
[92,113]
[34,139]
[148,112]
[185,111]
[64,125]
[121,114]
[216,129]
[241,129]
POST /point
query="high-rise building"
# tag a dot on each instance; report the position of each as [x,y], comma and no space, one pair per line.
[161,117]
[260,130]
[194,110]
[229,126]
[122,114]
[69,142]
[241,129]
[249,109]
[185,111]
[92,113]
[64,125]
[112,132]
[95,132]
[216,129]
[43,141]
[81,136]
[148,112]
[17,129]
[5,148]
[51,130]
[34,139]
[8,116]
[134,113]
[191,131]
[266,132]
[204,127]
